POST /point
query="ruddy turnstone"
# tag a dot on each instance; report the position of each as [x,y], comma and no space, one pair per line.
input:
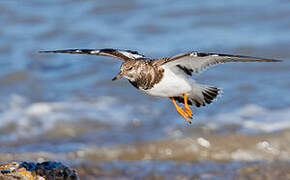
[170,76]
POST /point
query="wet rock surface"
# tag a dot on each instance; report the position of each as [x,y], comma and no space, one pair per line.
[36,171]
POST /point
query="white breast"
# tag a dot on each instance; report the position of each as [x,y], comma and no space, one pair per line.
[171,84]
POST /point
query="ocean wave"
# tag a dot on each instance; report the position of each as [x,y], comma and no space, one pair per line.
[22,118]
[253,117]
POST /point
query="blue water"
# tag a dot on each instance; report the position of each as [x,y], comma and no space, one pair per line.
[42,95]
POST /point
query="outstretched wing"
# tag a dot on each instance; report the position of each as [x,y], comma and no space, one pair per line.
[196,62]
[121,54]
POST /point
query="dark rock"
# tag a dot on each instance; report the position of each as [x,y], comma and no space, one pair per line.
[37,171]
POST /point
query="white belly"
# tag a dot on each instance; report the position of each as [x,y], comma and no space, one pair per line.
[171,84]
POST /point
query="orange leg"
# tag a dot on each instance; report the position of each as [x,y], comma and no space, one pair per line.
[186,106]
[180,111]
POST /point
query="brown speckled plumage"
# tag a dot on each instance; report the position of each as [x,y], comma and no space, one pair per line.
[145,74]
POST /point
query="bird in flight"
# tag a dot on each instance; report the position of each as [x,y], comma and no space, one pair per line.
[169,77]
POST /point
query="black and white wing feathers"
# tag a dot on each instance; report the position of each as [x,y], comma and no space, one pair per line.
[124,55]
[196,62]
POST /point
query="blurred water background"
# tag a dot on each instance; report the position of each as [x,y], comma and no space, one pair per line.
[66,106]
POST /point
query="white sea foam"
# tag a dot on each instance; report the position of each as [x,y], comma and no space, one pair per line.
[32,119]
[254,117]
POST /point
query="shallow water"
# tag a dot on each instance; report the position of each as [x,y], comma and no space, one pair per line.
[66,103]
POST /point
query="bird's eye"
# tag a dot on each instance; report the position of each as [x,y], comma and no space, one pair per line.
[130,68]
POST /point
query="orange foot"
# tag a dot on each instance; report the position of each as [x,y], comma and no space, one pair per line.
[186,106]
[180,111]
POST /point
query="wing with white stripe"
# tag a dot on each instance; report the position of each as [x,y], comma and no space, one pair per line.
[121,54]
[196,62]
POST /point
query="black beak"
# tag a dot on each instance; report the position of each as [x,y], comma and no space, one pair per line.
[118,76]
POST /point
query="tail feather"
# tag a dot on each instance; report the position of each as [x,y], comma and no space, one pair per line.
[200,95]
[210,94]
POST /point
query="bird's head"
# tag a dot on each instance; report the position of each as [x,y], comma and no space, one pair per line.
[129,70]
